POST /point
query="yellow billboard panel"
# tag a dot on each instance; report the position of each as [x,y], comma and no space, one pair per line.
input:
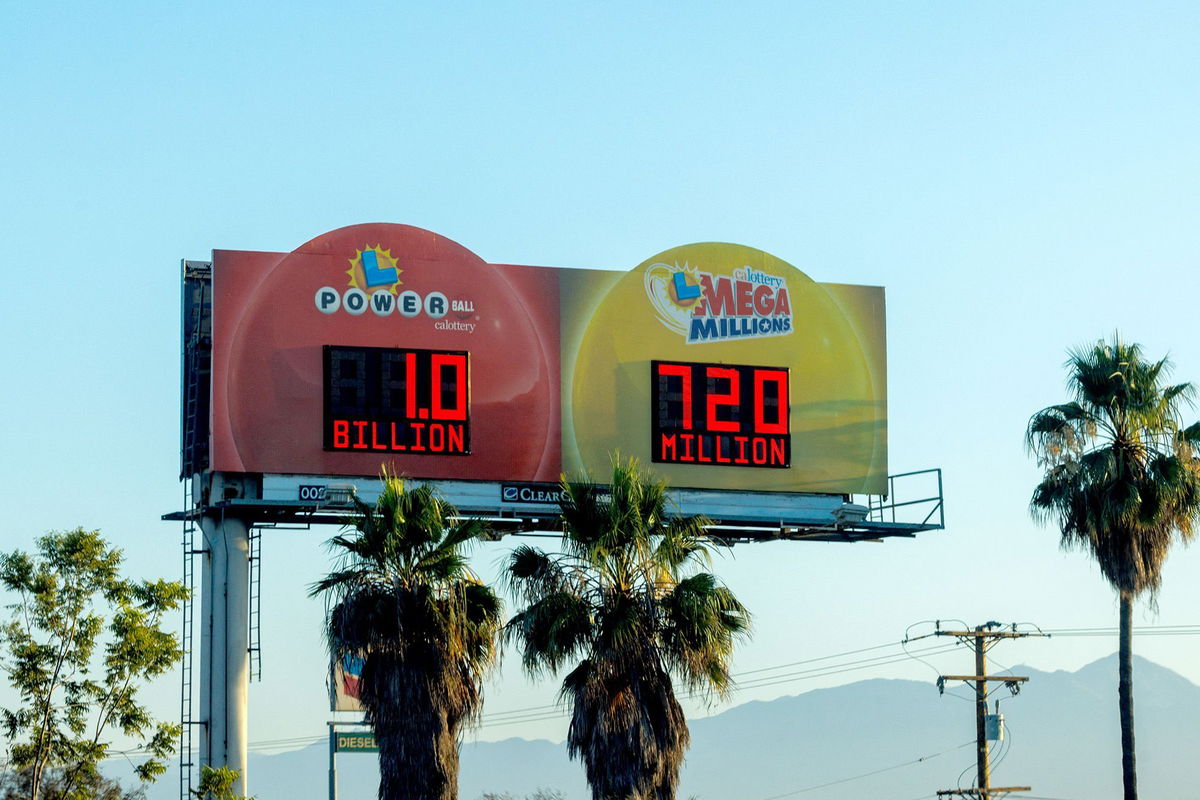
[728,368]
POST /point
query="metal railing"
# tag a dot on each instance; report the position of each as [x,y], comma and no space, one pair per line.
[884,508]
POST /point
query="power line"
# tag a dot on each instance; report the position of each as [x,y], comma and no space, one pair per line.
[868,774]
[822,658]
[537,714]
[839,668]
[754,682]
[1142,630]
[553,711]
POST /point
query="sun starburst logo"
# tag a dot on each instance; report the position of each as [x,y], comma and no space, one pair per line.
[673,290]
[373,267]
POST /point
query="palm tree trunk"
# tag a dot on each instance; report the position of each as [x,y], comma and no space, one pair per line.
[1125,693]
[418,743]
[417,765]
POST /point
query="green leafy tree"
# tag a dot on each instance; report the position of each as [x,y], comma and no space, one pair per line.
[1122,482]
[216,783]
[93,786]
[405,600]
[625,599]
[80,642]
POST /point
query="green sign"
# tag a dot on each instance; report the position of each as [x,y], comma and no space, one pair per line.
[355,742]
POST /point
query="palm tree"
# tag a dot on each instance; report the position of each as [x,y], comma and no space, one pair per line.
[625,598]
[405,600]
[1122,481]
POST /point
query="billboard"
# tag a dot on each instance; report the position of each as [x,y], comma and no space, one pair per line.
[345,677]
[388,345]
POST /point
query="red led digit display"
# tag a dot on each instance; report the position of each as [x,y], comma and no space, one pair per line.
[397,400]
[720,414]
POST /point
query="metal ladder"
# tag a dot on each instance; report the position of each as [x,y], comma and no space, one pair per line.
[187,761]
[255,536]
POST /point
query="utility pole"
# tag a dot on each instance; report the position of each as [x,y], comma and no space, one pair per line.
[980,639]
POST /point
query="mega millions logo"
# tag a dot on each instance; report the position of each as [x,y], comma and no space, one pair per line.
[703,307]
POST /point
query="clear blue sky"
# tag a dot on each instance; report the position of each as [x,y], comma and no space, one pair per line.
[1022,177]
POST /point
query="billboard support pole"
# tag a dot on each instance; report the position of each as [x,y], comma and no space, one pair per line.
[212,645]
[225,662]
[237,650]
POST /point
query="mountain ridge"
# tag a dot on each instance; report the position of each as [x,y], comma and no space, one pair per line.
[879,737]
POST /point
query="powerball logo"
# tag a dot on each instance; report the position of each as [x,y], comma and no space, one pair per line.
[374,283]
[702,307]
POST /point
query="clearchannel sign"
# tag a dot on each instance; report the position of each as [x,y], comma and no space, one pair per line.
[388,346]
[547,494]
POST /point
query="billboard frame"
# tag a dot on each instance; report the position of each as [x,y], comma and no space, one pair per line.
[734,516]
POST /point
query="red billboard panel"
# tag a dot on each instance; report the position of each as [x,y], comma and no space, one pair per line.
[401,298]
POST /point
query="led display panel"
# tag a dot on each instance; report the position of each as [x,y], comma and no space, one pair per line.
[719,414]
[395,400]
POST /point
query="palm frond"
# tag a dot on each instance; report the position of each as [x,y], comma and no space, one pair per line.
[465,531]
[683,541]
[334,580]
[531,573]
[551,631]
[703,619]
[1191,434]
